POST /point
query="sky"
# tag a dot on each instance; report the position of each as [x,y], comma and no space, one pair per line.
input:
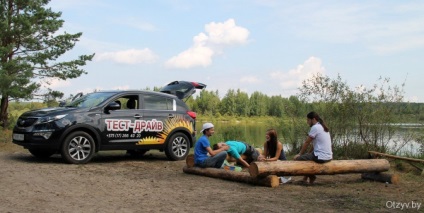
[269,46]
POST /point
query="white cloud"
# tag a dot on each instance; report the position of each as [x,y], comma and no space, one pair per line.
[216,37]
[195,56]
[293,78]
[131,56]
[226,33]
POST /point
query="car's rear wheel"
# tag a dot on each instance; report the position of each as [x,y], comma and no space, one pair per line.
[41,153]
[78,148]
[177,147]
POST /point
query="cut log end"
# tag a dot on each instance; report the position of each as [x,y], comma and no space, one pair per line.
[253,170]
[190,160]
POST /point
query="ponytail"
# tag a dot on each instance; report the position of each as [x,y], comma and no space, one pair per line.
[315,115]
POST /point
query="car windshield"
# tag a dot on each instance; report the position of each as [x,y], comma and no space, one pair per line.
[90,100]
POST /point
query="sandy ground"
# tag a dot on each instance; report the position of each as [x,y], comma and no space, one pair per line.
[114,182]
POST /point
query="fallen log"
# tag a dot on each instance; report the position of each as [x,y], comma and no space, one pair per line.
[293,168]
[411,161]
[396,157]
[381,177]
[190,160]
[244,177]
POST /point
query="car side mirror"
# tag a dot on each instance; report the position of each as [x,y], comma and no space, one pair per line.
[113,106]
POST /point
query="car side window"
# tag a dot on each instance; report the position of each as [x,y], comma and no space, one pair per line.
[154,102]
[128,102]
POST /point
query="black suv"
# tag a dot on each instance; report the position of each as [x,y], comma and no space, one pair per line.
[135,121]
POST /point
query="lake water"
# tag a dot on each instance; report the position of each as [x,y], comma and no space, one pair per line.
[254,134]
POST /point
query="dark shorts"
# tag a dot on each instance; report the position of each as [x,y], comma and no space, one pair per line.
[311,156]
[282,155]
[251,153]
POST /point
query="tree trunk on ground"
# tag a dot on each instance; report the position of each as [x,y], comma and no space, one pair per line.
[396,157]
[381,177]
[293,168]
[3,111]
[244,177]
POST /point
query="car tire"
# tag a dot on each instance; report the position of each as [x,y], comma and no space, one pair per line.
[41,153]
[78,148]
[177,147]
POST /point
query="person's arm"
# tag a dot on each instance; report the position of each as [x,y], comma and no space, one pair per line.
[262,157]
[304,147]
[242,161]
[214,152]
[278,152]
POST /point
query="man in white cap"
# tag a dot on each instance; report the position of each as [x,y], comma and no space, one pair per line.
[203,148]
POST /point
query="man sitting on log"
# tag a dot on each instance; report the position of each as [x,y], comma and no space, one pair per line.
[320,136]
[202,148]
[238,148]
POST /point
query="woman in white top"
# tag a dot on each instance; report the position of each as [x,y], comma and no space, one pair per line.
[320,136]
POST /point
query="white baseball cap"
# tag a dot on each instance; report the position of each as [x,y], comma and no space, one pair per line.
[207,126]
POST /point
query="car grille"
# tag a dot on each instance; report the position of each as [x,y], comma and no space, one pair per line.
[26,122]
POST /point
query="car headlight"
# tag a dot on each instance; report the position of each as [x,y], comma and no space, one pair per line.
[49,119]
[45,135]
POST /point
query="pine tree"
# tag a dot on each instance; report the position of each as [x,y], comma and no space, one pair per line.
[30,48]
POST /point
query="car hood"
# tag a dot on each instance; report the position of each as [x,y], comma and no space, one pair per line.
[47,112]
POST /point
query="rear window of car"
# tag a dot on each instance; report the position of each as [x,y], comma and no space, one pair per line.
[153,102]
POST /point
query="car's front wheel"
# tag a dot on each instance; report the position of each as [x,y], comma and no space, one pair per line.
[78,148]
[177,147]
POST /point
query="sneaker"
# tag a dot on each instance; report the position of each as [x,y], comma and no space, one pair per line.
[284,180]
[225,163]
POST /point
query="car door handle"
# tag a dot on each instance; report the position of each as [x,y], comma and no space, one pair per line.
[171,115]
[137,116]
